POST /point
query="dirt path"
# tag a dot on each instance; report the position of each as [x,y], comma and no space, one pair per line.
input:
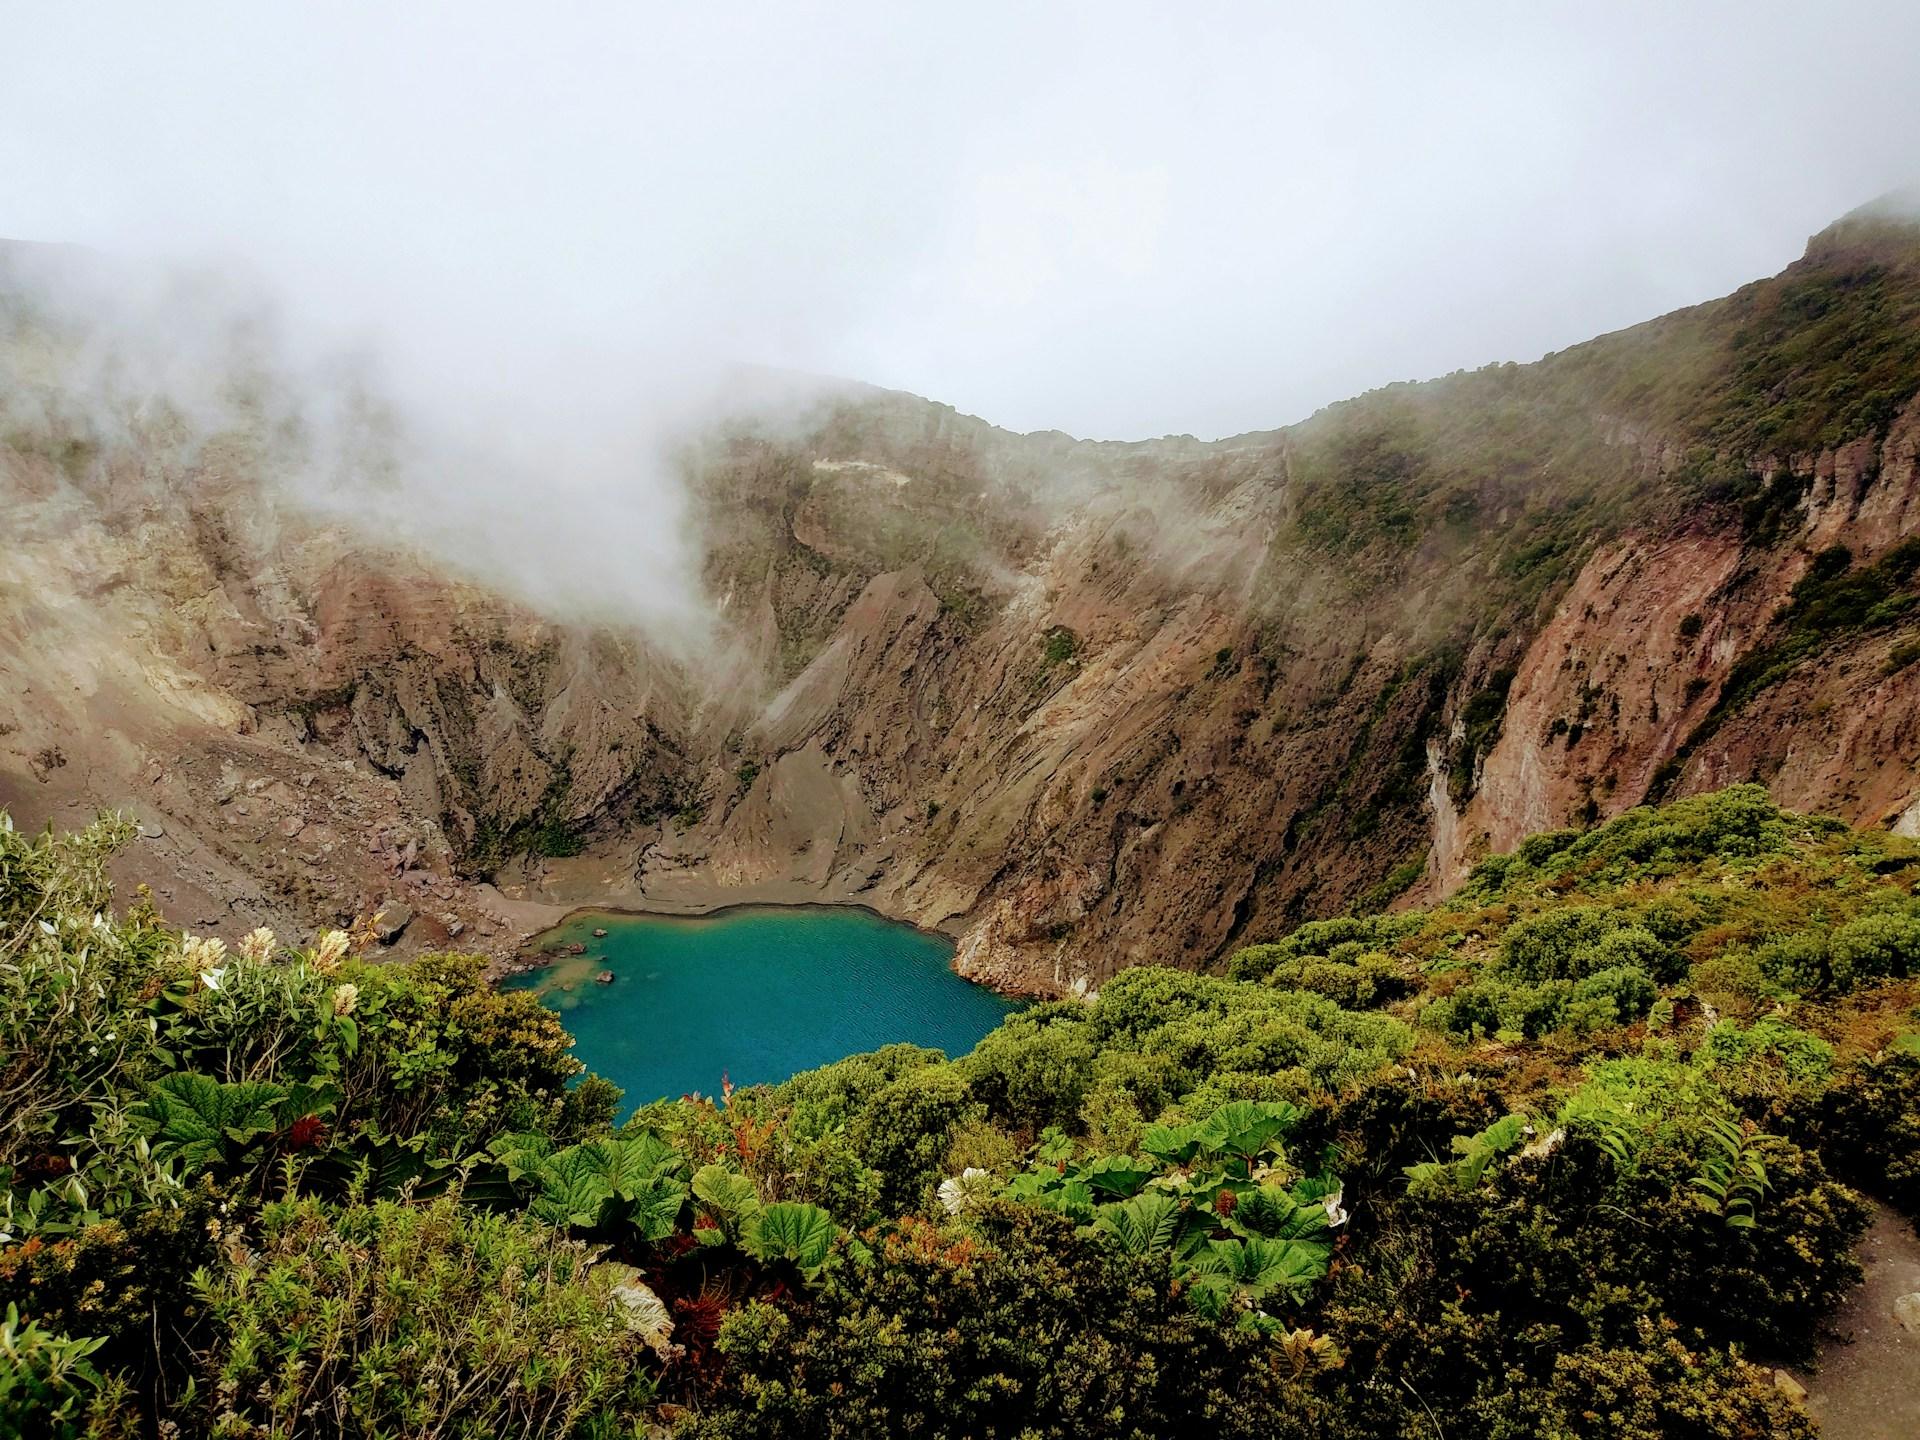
[1868,1384]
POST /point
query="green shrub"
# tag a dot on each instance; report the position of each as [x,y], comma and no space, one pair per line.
[1553,945]
[1358,981]
[906,1129]
[1875,946]
[1869,1128]
[50,1388]
[1011,1327]
[395,1319]
[1614,996]
[1802,962]
[1034,1070]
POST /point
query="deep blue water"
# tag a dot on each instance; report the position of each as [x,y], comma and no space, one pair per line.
[755,994]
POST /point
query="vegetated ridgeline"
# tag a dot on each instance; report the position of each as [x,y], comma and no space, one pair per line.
[1084,704]
[1578,1152]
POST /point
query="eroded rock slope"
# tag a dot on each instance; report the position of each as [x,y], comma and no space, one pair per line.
[1083,704]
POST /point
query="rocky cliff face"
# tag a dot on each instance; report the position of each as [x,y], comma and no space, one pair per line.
[1083,704]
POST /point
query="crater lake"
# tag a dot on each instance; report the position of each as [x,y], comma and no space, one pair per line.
[753,994]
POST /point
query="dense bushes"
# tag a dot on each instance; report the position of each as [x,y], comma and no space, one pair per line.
[417,1319]
[1869,1126]
[1008,1326]
[1549,1158]
[1878,945]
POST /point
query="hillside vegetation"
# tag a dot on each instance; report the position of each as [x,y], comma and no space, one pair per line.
[1563,1156]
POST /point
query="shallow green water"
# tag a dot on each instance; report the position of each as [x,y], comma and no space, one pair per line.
[755,994]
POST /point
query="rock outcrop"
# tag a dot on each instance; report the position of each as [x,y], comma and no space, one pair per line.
[1082,704]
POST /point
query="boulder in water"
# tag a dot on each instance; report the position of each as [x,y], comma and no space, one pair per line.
[605,977]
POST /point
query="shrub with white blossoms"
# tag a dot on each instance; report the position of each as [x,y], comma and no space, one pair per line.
[345,997]
[258,945]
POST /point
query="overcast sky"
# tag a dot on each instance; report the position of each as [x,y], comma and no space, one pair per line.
[1112,219]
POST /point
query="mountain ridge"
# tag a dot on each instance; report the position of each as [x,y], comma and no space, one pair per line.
[1082,703]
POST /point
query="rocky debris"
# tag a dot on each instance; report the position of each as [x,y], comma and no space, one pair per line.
[1906,1309]
[576,948]
[392,920]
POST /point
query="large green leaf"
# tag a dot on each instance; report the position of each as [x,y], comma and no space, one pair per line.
[1117,1175]
[651,1206]
[1314,1189]
[202,1120]
[604,1183]
[1246,1127]
[1256,1266]
[727,1196]
[573,1186]
[1171,1144]
[788,1230]
[1055,1146]
[521,1153]
[1273,1213]
[1072,1198]
[1032,1185]
[1068,1194]
[623,1164]
[1476,1153]
[1145,1225]
[646,1153]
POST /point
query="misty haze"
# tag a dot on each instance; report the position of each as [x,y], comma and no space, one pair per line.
[824,722]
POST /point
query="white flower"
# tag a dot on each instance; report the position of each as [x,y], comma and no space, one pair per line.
[202,954]
[1545,1145]
[345,997]
[1336,1214]
[258,945]
[971,1185]
[329,950]
[211,978]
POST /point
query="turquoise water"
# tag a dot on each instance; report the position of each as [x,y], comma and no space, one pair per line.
[755,994]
